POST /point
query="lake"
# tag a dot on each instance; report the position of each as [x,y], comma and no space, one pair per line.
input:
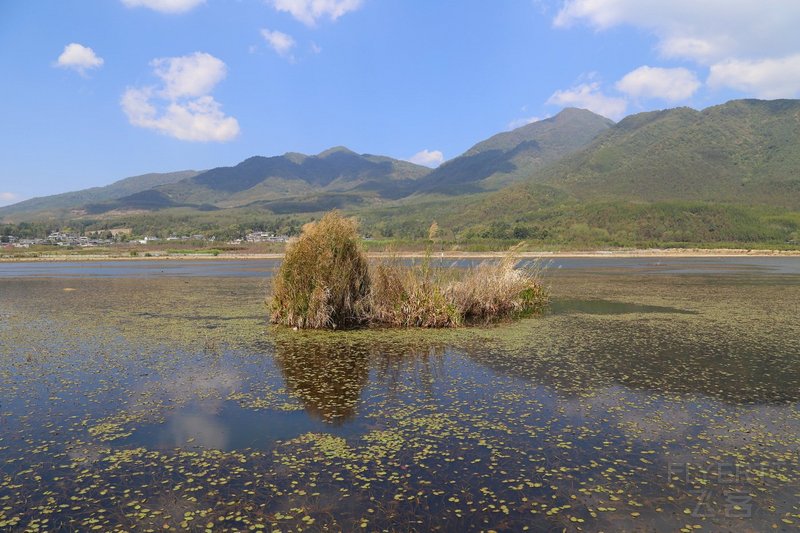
[655,394]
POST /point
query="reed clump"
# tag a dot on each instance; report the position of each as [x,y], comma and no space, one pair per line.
[500,290]
[325,281]
[404,296]
[421,296]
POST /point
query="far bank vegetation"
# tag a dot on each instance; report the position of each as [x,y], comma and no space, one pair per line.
[326,281]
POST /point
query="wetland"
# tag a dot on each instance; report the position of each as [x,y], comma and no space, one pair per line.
[654,394]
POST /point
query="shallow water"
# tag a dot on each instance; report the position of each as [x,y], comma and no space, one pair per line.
[264,267]
[652,395]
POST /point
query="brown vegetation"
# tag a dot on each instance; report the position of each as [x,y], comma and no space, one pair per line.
[325,282]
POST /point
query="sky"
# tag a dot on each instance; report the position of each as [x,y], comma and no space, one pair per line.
[98,90]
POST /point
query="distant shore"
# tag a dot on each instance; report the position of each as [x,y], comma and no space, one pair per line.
[655,252]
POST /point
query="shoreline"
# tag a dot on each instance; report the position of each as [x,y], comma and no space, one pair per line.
[589,254]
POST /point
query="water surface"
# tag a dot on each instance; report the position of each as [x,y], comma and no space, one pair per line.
[654,395]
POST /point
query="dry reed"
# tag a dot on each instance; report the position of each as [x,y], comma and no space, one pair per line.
[325,282]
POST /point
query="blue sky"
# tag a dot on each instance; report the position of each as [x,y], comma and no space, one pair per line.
[98,90]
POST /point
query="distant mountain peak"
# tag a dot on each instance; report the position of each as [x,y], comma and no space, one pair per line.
[56,206]
[742,151]
[512,156]
[295,157]
[336,150]
[577,111]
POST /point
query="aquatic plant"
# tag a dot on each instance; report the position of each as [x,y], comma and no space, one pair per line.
[323,281]
[403,296]
[572,422]
[501,289]
[421,296]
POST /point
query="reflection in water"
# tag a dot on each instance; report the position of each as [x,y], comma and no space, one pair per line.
[326,376]
[658,356]
[204,430]
[328,372]
[195,399]
[568,421]
[421,364]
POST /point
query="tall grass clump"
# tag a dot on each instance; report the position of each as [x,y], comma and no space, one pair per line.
[419,296]
[324,279]
[410,297]
[499,290]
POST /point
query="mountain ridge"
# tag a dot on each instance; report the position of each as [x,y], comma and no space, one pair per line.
[731,170]
[511,156]
[61,204]
[743,151]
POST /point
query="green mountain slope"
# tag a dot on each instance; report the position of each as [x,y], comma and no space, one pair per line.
[59,205]
[293,175]
[744,151]
[727,174]
[512,156]
[149,200]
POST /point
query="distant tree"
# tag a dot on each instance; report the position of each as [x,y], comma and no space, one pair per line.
[433,232]
[521,232]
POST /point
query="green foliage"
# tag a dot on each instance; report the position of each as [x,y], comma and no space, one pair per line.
[494,221]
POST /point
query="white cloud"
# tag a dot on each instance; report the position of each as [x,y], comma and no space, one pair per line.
[764,78]
[522,121]
[8,198]
[672,84]
[706,31]
[182,107]
[589,96]
[192,75]
[280,42]
[200,119]
[429,158]
[748,45]
[310,11]
[78,57]
[165,6]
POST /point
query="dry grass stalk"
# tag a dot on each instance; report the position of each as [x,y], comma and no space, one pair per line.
[498,290]
[409,297]
[324,278]
[326,282]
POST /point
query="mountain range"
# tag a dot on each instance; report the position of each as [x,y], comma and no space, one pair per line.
[742,155]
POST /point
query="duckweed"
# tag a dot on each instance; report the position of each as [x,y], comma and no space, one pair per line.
[169,403]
